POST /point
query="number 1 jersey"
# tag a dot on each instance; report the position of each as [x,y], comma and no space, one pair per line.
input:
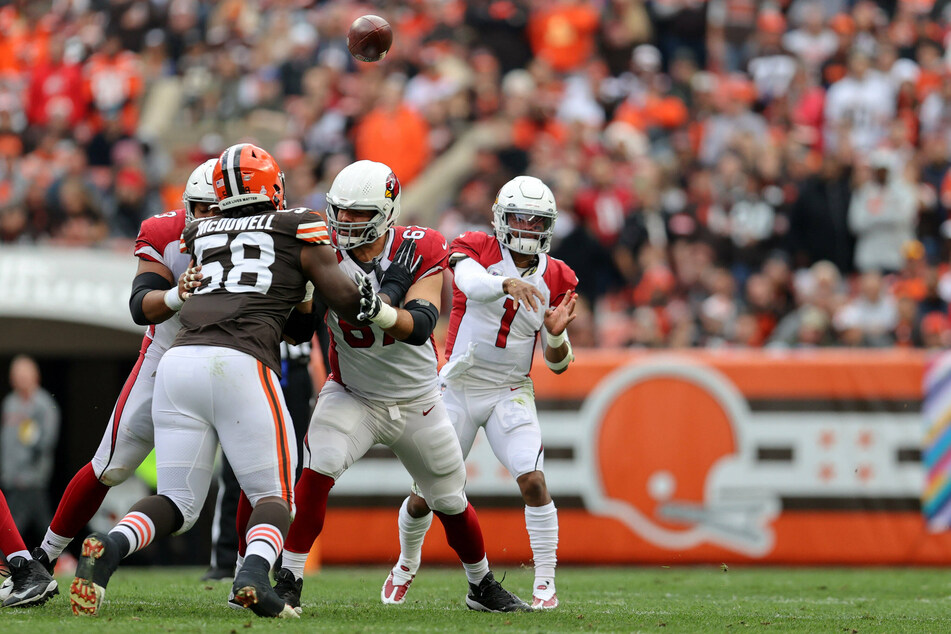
[494,342]
[252,279]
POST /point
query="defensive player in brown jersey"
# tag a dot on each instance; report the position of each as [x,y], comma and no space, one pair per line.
[383,382]
[219,380]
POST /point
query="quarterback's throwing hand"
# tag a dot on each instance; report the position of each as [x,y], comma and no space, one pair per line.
[523,292]
[558,318]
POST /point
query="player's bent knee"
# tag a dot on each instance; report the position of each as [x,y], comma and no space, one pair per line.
[329,461]
[533,485]
[189,514]
[114,476]
[450,504]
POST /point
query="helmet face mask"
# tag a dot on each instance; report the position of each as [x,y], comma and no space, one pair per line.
[524,215]
[200,188]
[355,234]
[364,186]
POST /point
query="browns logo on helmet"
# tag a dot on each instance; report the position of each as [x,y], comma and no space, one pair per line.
[248,180]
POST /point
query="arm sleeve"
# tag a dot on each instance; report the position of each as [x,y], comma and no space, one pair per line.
[476,283]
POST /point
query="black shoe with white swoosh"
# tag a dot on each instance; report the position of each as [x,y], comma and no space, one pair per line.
[32,585]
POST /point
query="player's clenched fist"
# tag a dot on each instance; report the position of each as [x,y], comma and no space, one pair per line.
[523,292]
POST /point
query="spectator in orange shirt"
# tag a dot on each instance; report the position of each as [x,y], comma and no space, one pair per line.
[563,32]
[114,84]
[394,134]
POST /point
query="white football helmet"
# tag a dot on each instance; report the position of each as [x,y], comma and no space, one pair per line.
[200,188]
[528,201]
[364,185]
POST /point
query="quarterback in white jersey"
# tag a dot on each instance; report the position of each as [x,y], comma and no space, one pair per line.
[507,291]
[156,299]
[383,385]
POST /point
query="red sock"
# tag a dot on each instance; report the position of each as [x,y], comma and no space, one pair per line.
[311,495]
[241,521]
[10,540]
[82,499]
[464,534]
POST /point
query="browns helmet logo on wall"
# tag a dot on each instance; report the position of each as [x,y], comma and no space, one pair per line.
[392,187]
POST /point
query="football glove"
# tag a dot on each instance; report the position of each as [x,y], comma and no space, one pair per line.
[372,308]
[401,273]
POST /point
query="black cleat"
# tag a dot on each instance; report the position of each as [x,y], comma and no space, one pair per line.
[289,588]
[29,584]
[252,589]
[40,555]
[490,596]
[99,560]
[218,574]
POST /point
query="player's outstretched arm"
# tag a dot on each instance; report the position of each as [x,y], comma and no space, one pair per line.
[319,262]
[558,352]
[412,324]
[154,297]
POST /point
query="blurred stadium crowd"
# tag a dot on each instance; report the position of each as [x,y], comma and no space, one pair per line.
[730,172]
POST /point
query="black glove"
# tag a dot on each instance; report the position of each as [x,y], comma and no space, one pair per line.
[399,277]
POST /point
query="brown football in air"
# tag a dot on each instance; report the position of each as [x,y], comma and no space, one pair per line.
[369,39]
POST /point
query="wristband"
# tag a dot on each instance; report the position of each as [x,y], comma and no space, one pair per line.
[173,300]
[555,341]
[561,365]
[308,292]
[386,317]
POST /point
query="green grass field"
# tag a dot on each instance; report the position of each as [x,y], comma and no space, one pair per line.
[655,599]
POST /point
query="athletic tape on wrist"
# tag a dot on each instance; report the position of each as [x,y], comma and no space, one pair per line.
[173,300]
[555,341]
[386,317]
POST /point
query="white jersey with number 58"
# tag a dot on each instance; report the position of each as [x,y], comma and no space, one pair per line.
[367,361]
[494,342]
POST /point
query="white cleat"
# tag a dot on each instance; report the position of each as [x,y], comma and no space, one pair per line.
[395,593]
[543,596]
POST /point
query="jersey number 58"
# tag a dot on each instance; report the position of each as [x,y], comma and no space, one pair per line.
[244,271]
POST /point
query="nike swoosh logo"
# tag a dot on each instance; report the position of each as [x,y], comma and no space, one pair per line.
[428,410]
[512,389]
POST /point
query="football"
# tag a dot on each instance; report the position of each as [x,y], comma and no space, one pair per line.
[369,39]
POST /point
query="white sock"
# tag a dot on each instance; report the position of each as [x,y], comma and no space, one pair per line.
[412,533]
[20,553]
[542,525]
[295,562]
[476,572]
[237,564]
[138,528]
[265,540]
[54,544]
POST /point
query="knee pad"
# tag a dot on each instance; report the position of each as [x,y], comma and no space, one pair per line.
[524,461]
[450,504]
[328,452]
[447,493]
[115,475]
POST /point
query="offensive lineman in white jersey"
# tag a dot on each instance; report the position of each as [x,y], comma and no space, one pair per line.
[155,302]
[500,282]
[383,383]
